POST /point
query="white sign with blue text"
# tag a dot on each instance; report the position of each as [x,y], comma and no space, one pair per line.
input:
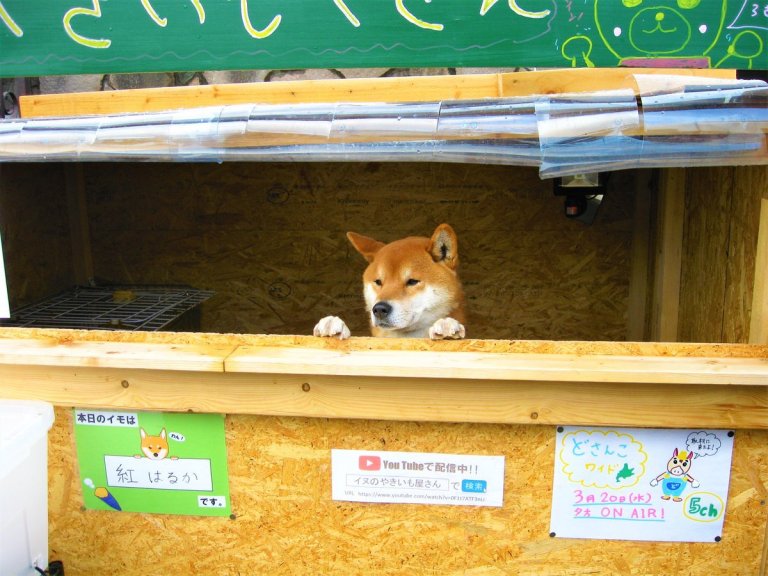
[417,478]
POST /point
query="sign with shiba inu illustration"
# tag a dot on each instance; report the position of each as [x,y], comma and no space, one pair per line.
[637,484]
[152,462]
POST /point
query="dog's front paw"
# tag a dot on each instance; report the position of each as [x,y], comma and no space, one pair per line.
[447,329]
[332,326]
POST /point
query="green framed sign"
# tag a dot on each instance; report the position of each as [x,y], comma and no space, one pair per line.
[153,462]
[44,37]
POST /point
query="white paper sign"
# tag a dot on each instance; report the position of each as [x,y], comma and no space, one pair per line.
[417,478]
[637,484]
[167,474]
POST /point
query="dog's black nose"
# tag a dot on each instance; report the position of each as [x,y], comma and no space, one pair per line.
[381,310]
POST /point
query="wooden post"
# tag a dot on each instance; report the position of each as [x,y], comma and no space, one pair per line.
[669,249]
[758,324]
[82,259]
[639,272]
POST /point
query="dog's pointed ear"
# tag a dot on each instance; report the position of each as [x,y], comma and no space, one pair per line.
[444,246]
[366,246]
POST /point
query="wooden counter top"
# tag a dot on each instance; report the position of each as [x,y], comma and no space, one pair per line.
[589,383]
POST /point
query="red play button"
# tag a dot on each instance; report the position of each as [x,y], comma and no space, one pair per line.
[369,463]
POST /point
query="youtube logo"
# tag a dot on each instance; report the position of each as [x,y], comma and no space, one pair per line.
[369,463]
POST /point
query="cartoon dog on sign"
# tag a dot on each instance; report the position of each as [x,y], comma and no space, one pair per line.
[676,477]
[154,447]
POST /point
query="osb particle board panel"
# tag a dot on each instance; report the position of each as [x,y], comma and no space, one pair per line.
[285,522]
[269,239]
[723,209]
[35,231]
[750,185]
[705,253]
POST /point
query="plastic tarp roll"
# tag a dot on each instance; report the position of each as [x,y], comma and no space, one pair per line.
[502,131]
[666,121]
[715,124]
[588,133]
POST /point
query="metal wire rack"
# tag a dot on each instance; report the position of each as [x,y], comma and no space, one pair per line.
[148,308]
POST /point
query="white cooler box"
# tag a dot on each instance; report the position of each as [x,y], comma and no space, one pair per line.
[24,429]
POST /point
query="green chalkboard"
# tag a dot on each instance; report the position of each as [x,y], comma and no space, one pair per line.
[42,37]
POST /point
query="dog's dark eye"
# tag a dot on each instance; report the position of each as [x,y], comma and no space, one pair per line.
[412,282]
[377,282]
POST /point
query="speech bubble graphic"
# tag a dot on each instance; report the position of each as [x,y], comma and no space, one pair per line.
[602,459]
[177,436]
[703,443]
[751,15]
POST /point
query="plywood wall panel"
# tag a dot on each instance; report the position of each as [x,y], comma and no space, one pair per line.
[285,522]
[705,254]
[388,197]
[270,240]
[35,231]
[718,273]
[749,186]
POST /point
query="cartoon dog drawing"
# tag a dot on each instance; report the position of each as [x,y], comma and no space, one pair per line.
[154,447]
[411,288]
[674,480]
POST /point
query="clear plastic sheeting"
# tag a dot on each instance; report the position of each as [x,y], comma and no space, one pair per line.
[668,121]
[583,132]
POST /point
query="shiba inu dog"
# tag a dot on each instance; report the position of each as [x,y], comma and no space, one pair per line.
[411,288]
[154,447]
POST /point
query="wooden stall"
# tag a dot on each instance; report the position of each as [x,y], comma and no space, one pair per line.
[291,400]
[655,315]
[559,311]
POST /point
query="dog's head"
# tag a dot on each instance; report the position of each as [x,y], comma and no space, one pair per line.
[410,283]
[154,447]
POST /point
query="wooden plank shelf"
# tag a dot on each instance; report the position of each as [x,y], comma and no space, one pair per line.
[106,354]
[445,382]
[570,368]
[407,89]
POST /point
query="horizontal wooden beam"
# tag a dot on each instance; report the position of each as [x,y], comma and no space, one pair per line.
[565,368]
[360,379]
[107,354]
[394,398]
[404,89]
